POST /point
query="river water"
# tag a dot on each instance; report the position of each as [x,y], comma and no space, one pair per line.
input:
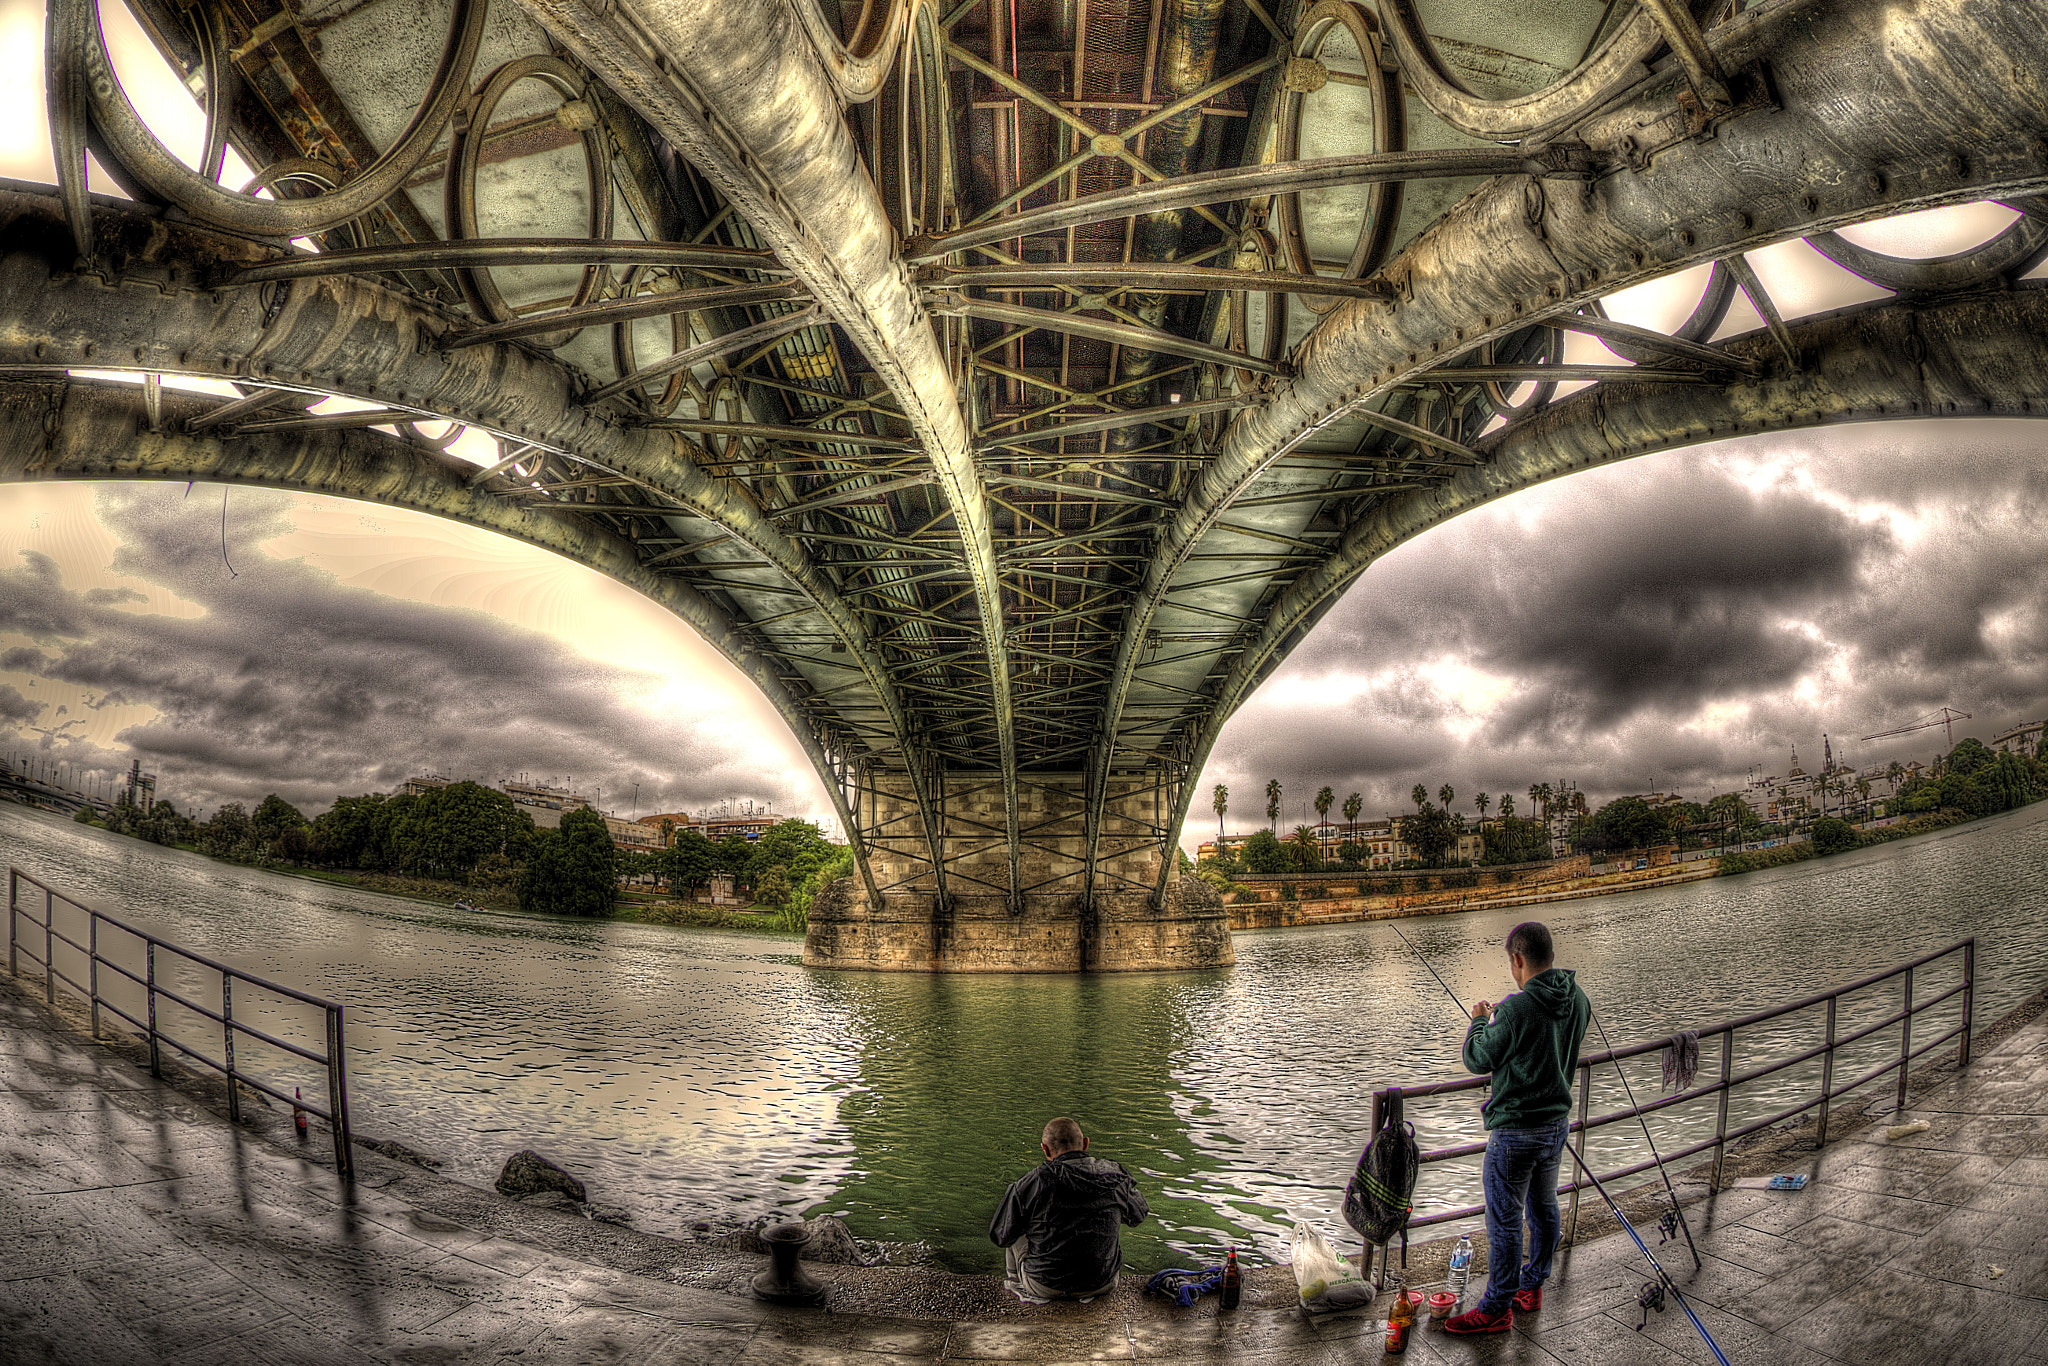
[691,1074]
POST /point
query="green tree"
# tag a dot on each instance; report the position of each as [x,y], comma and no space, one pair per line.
[228,833]
[573,870]
[1273,803]
[1625,823]
[794,845]
[272,817]
[1220,799]
[1969,756]
[1445,795]
[689,862]
[772,887]
[1263,853]
[1431,832]
[1507,805]
[345,835]
[1302,851]
[1353,804]
[1325,799]
[1419,795]
[1832,835]
[1482,801]
[454,827]
[1893,772]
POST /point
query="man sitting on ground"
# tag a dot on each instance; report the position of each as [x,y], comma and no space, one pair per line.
[1530,1047]
[1058,1223]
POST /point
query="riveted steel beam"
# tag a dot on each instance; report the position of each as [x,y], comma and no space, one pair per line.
[59,428]
[1848,139]
[137,308]
[739,89]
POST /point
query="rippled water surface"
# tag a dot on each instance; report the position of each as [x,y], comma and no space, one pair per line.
[689,1074]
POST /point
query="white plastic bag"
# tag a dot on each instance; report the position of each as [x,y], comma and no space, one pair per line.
[1324,1280]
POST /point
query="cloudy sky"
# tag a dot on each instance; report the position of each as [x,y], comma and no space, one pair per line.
[1672,622]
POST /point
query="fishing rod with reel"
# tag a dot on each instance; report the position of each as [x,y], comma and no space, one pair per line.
[1653,1293]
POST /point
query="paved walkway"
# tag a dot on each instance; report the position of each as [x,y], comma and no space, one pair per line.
[137,1226]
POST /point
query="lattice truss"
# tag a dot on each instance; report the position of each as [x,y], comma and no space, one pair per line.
[1006,387]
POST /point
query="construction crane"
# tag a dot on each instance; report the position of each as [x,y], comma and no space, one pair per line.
[1945,718]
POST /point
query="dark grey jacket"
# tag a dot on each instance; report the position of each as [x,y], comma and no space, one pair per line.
[1068,1209]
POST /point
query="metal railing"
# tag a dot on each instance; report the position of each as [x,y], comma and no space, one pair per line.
[1729,1080]
[333,1061]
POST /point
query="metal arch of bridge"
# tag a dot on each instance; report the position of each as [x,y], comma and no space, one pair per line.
[1007,635]
[1972,354]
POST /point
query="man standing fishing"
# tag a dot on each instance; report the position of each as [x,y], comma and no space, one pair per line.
[1530,1044]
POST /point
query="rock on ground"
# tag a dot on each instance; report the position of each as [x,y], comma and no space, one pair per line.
[528,1173]
[831,1242]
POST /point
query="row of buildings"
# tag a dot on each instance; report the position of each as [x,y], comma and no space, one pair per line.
[1837,789]
[547,805]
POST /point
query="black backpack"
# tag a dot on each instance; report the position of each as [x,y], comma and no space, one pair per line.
[1381,1195]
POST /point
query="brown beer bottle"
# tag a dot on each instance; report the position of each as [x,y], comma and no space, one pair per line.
[1400,1322]
[1233,1282]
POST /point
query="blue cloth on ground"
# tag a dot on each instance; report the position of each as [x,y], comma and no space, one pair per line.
[1186,1286]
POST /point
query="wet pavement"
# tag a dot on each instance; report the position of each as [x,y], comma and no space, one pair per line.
[137,1225]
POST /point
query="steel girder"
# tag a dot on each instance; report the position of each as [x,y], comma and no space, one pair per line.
[738,87]
[1872,110]
[1982,355]
[147,302]
[56,427]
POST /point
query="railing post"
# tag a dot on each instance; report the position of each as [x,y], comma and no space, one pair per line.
[92,967]
[156,1065]
[1905,1042]
[337,1095]
[49,942]
[13,899]
[1721,1118]
[1969,999]
[227,1036]
[1827,1075]
[1579,1146]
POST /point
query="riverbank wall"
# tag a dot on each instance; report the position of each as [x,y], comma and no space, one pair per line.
[1277,903]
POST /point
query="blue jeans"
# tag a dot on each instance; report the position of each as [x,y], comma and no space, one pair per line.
[1521,1178]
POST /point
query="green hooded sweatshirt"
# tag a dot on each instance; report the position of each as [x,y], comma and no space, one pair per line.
[1531,1047]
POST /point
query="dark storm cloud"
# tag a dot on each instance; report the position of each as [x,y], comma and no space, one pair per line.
[15,707]
[1654,622]
[290,682]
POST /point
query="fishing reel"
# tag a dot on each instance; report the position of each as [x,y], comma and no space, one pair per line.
[1667,1227]
[1651,1297]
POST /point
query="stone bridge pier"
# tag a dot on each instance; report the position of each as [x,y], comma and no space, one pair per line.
[942,899]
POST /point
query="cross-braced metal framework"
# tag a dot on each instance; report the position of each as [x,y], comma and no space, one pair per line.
[1005,385]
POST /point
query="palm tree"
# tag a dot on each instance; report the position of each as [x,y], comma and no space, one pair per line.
[1445,795]
[1507,806]
[1324,799]
[1419,795]
[1863,792]
[1539,799]
[1353,804]
[1273,803]
[1482,801]
[1220,799]
[1893,773]
[1307,855]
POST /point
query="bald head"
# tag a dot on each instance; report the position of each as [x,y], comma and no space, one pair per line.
[1063,1135]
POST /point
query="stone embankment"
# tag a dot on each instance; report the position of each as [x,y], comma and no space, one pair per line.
[1333,899]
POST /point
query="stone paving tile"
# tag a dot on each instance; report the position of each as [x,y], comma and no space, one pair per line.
[1890,1316]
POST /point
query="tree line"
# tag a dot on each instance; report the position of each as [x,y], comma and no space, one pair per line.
[477,837]
[1970,780]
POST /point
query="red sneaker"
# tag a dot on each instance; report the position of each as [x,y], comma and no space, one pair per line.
[1528,1301]
[1479,1321]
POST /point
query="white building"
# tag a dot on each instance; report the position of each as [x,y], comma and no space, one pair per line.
[2022,739]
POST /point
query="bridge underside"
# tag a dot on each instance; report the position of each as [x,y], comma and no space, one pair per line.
[1005,394]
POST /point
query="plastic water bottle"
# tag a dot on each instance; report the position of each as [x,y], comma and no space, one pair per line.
[1461,1268]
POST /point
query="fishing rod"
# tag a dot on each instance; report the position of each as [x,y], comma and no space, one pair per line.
[1652,1298]
[1677,1213]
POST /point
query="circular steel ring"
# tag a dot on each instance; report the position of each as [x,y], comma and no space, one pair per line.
[1383,199]
[1705,319]
[1538,345]
[306,171]
[625,361]
[2016,250]
[465,154]
[1261,245]
[129,140]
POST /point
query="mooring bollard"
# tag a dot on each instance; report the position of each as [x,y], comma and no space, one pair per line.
[785,1281]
